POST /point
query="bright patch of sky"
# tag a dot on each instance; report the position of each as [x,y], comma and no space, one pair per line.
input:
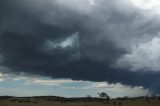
[71,41]
[38,85]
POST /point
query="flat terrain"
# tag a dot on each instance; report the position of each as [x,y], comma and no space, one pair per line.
[6,103]
[61,102]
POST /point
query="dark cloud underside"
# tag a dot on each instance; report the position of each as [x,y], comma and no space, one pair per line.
[104,35]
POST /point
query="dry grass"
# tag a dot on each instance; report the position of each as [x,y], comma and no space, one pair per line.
[45,103]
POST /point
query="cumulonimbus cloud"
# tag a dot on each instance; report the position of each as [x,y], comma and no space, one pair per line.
[40,36]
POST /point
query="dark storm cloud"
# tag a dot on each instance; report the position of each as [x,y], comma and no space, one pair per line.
[105,33]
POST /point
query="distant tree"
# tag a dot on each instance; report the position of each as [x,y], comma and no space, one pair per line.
[153,96]
[158,98]
[125,98]
[147,99]
[120,103]
[88,96]
[104,96]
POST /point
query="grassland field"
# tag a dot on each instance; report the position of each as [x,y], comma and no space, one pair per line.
[64,102]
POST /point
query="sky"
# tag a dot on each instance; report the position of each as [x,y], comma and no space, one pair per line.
[75,48]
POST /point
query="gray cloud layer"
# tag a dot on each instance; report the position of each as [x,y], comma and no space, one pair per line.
[78,39]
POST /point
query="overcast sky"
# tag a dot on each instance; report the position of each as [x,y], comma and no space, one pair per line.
[79,47]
